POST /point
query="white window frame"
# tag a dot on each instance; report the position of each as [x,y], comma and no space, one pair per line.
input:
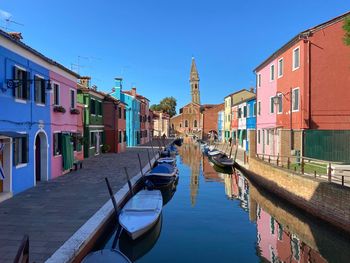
[75,98]
[259,80]
[278,107]
[59,93]
[40,77]
[272,75]
[293,99]
[19,99]
[293,59]
[280,74]
[53,144]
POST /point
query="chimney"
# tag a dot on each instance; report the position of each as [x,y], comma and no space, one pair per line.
[133,91]
[16,35]
[251,89]
[118,82]
[85,81]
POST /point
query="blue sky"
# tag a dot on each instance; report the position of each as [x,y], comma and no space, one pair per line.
[150,43]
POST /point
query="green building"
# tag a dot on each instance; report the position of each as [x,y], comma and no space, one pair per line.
[93,117]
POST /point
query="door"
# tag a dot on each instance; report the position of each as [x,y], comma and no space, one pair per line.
[263,141]
[97,143]
[37,158]
[2,165]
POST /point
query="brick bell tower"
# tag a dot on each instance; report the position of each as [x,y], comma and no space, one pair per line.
[194,83]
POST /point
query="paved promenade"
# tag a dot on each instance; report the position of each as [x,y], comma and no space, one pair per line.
[52,211]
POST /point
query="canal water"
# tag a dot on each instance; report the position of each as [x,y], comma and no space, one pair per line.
[215,217]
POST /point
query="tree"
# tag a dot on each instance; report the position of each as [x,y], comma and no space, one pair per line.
[167,105]
[346,28]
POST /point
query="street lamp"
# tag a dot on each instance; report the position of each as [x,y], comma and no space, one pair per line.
[277,99]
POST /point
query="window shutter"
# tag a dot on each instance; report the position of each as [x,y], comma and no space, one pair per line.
[14,89]
[43,91]
[36,90]
[26,87]
[26,150]
[15,151]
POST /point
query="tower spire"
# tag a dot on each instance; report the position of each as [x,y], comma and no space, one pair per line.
[194,82]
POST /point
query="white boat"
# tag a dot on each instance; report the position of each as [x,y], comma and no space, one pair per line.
[168,160]
[214,152]
[141,212]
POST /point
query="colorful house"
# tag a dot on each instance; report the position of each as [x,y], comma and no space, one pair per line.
[145,119]
[251,120]
[132,112]
[93,117]
[65,115]
[114,121]
[25,136]
[302,114]
[221,125]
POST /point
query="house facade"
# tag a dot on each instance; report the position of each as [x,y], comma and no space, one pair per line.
[309,115]
[161,124]
[210,120]
[93,117]
[64,112]
[144,119]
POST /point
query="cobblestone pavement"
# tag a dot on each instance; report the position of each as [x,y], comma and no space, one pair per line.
[52,211]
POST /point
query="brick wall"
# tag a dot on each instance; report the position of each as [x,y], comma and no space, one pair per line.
[284,147]
[329,202]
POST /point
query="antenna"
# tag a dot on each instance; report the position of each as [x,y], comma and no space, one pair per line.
[9,21]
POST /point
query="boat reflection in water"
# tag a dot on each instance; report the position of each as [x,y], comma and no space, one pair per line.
[135,249]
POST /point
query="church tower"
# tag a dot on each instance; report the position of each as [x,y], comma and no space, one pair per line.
[194,82]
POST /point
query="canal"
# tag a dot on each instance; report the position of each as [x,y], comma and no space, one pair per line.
[217,217]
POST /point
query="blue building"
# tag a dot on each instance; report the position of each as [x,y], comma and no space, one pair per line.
[221,129]
[25,125]
[132,112]
[251,118]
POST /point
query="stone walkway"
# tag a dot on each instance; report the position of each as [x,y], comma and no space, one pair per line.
[52,211]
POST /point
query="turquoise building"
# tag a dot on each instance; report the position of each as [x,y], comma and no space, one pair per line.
[132,112]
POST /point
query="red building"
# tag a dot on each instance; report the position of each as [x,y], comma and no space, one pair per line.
[210,119]
[114,124]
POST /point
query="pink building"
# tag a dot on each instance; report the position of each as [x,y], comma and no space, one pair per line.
[66,123]
[266,131]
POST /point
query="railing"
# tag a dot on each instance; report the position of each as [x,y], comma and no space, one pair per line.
[23,251]
[333,172]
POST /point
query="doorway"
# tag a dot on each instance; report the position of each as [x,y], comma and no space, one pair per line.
[41,157]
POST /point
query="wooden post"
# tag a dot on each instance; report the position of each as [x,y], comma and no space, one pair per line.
[330,172]
[278,158]
[288,163]
[138,156]
[302,165]
[269,159]
[129,183]
[111,195]
[22,255]
[149,159]
[342,180]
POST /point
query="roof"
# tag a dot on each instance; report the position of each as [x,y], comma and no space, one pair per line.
[230,95]
[90,91]
[302,35]
[37,53]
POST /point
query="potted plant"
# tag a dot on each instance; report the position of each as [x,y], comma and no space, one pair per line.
[59,108]
[74,111]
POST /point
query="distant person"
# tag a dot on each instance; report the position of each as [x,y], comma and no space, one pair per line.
[230,140]
[164,136]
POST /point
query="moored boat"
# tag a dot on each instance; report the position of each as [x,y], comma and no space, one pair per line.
[141,212]
[106,256]
[223,161]
[162,174]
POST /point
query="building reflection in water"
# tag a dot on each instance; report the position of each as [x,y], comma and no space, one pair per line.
[237,187]
[190,155]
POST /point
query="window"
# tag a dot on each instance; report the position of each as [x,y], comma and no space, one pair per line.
[259,136]
[272,105]
[120,136]
[296,58]
[259,80]
[124,136]
[245,111]
[195,123]
[180,125]
[259,107]
[92,107]
[119,112]
[20,150]
[267,137]
[39,90]
[57,143]
[254,109]
[280,67]
[76,140]
[56,94]
[21,88]
[229,117]
[295,99]
[272,72]
[140,118]
[92,139]
[99,108]
[124,114]
[72,99]
[280,106]
[186,123]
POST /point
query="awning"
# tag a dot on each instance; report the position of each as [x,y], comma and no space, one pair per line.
[12,134]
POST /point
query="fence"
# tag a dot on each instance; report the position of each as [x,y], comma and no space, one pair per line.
[333,172]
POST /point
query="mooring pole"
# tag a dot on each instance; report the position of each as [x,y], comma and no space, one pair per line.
[138,156]
[129,183]
[111,195]
[149,159]
[154,154]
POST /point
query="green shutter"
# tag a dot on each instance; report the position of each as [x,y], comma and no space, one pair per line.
[67,152]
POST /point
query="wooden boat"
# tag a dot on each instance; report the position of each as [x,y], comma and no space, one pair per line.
[223,161]
[141,212]
[214,152]
[106,256]
[162,174]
